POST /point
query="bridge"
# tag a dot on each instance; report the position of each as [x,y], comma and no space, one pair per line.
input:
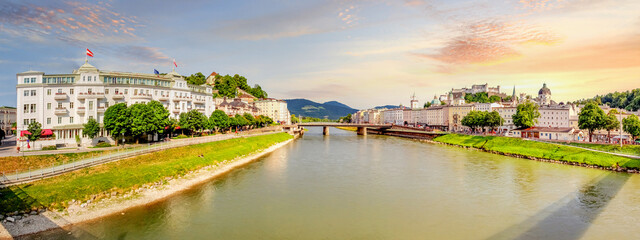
[361,127]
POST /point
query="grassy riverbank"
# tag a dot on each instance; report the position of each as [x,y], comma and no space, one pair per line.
[353,129]
[535,149]
[10,164]
[625,149]
[125,175]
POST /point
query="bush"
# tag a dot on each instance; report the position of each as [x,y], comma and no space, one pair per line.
[50,148]
[103,144]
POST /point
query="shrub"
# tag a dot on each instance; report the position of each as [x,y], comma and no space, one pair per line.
[103,144]
[181,136]
[53,147]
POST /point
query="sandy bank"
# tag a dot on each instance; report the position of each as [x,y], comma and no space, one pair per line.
[79,212]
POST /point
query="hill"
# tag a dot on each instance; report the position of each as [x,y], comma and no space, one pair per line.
[629,100]
[329,110]
[387,107]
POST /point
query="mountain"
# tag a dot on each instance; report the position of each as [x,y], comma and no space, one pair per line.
[329,110]
[387,107]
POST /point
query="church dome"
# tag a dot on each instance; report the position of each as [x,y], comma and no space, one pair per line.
[544,90]
[435,101]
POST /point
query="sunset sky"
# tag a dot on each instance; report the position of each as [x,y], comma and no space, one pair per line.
[361,53]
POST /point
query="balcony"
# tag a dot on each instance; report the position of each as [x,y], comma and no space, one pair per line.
[82,96]
[81,110]
[176,110]
[101,109]
[199,101]
[117,96]
[201,110]
[163,98]
[183,98]
[60,111]
[60,96]
[141,96]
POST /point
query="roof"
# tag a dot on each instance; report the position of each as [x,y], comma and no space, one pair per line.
[544,90]
[549,129]
[30,72]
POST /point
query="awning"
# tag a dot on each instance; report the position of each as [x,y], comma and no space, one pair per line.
[47,132]
[23,132]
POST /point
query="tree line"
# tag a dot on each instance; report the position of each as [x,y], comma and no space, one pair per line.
[629,100]
[227,85]
[481,120]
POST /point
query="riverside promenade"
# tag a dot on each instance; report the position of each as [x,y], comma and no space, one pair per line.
[29,175]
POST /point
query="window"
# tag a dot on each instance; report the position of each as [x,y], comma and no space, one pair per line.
[59,105]
[26,108]
[106,91]
[33,80]
[117,91]
[48,91]
[26,80]
[90,105]
[26,122]
[33,108]
[71,91]
[71,105]
[126,91]
[59,120]
[70,119]
[94,78]
[106,105]
[135,91]
[33,92]
[59,90]
[48,106]
[83,78]
[26,93]
[89,90]
[48,120]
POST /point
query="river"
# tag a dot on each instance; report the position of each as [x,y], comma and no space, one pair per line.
[345,186]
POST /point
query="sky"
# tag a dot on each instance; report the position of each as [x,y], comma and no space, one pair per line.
[361,53]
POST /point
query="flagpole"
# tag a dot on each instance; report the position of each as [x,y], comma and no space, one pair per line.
[86,57]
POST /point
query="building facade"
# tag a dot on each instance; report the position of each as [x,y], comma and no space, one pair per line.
[275,109]
[64,102]
[7,118]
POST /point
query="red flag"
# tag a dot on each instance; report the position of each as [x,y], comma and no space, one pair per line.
[174,63]
[89,53]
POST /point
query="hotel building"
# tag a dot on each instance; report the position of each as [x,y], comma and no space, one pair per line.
[62,103]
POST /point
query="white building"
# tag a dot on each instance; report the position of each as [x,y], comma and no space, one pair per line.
[62,103]
[275,109]
[507,113]
[556,116]
[393,116]
[7,117]
[487,107]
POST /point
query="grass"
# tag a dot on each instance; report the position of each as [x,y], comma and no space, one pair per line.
[625,149]
[128,174]
[353,129]
[11,164]
[538,150]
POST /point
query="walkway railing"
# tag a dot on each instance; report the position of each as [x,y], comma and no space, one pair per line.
[28,175]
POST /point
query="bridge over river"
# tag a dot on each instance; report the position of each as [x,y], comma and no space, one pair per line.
[383,129]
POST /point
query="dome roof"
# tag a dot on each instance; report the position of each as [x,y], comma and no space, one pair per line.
[544,90]
[435,101]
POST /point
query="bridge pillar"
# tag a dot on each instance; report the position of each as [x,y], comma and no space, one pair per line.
[325,131]
[362,131]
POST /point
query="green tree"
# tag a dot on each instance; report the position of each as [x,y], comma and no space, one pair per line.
[527,115]
[494,98]
[611,123]
[345,119]
[219,120]
[91,128]
[141,120]
[35,128]
[251,121]
[294,119]
[426,105]
[631,125]
[591,118]
[193,121]
[493,120]
[160,118]
[241,121]
[117,120]
[474,119]
[196,79]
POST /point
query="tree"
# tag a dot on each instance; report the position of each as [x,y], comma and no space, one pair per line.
[218,120]
[241,121]
[251,121]
[494,98]
[35,130]
[91,128]
[493,120]
[117,120]
[592,118]
[426,105]
[345,119]
[196,79]
[160,117]
[193,121]
[611,123]
[631,125]
[526,115]
[141,120]
[474,119]
[294,119]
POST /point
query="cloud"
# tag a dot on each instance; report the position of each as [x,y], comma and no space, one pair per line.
[489,42]
[145,54]
[312,19]
[67,21]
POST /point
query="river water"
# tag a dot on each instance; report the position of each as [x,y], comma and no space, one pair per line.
[345,186]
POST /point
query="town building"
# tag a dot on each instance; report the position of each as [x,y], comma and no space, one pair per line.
[558,115]
[275,109]
[7,118]
[236,106]
[455,113]
[394,116]
[507,112]
[62,103]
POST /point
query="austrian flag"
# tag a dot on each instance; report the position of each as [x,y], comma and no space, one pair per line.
[89,53]
[174,63]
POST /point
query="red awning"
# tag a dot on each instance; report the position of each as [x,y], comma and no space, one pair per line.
[46,132]
[178,127]
[23,132]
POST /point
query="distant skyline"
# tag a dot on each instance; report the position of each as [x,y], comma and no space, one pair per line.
[361,53]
